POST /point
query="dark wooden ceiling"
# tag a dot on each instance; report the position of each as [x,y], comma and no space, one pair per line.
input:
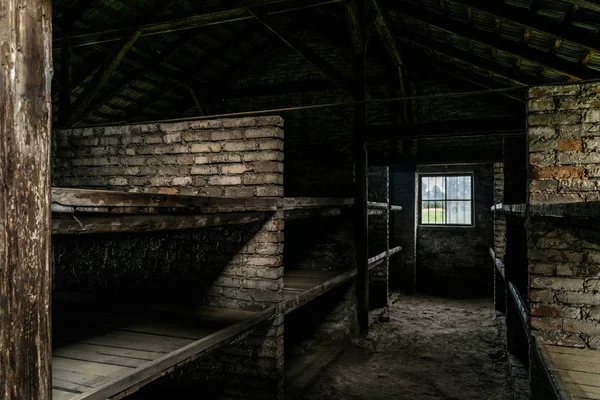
[135,60]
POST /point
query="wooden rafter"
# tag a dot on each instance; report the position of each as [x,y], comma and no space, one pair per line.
[574,71]
[93,88]
[593,5]
[169,23]
[295,44]
[131,77]
[207,91]
[467,76]
[386,33]
[562,30]
[465,56]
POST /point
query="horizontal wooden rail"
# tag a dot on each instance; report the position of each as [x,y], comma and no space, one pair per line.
[520,303]
[83,224]
[378,259]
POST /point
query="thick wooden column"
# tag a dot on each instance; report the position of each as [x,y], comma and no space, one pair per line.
[25,75]
[355,13]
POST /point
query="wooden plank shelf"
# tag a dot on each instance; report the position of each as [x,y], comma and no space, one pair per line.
[113,223]
[112,355]
[303,203]
[380,258]
[585,211]
[67,200]
[573,373]
[302,286]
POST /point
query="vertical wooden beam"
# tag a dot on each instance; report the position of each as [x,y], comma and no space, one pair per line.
[25,79]
[356,17]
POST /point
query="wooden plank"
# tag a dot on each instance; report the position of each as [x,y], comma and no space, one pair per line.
[178,357]
[113,198]
[68,386]
[300,290]
[594,354]
[559,386]
[312,213]
[25,271]
[62,395]
[294,203]
[580,378]
[137,341]
[378,205]
[114,223]
[73,350]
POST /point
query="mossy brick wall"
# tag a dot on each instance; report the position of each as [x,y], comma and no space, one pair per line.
[379,231]
[563,139]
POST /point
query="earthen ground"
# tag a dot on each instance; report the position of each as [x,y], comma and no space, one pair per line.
[431,348]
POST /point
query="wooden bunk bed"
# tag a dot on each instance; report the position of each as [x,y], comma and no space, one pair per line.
[116,347]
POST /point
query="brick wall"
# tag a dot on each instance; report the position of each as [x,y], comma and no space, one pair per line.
[456,260]
[233,266]
[563,131]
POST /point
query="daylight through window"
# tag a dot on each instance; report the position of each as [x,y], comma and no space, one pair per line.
[446,200]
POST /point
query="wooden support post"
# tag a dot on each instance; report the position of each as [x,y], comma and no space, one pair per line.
[25,77]
[355,13]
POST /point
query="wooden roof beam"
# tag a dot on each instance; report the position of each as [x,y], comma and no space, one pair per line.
[567,68]
[386,34]
[563,30]
[468,76]
[295,44]
[174,22]
[93,88]
[465,56]
[593,5]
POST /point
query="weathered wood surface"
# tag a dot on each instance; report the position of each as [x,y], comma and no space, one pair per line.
[116,199]
[378,205]
[378,259]
[295,203]
[589,210]
[312,213]
[25,76]
[302,286]
[395,208]
[497,263]
[573,373]
[127,351]
[145,223]
[520,304]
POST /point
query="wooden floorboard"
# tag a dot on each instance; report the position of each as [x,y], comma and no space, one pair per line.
[575,372]
[124,352]
[62,395]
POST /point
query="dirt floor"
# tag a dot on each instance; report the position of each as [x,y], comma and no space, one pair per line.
[431,348]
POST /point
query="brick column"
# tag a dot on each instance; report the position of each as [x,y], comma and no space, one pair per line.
[564,167]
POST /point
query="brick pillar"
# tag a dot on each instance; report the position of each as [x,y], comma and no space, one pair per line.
[563,136]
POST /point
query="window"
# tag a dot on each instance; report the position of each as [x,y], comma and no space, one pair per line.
[446,200]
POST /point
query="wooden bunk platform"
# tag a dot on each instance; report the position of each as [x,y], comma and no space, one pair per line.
[104,355]
[77,211]
[574,374]
[302,286]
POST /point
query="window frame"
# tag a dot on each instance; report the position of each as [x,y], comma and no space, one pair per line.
[444,175]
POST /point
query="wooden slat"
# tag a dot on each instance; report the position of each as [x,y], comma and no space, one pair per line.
[68,386]
[177,357]
[75,349]
[113,198]
[114,223]
[138,341]
[305,286]
[62,395]
[293,203]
